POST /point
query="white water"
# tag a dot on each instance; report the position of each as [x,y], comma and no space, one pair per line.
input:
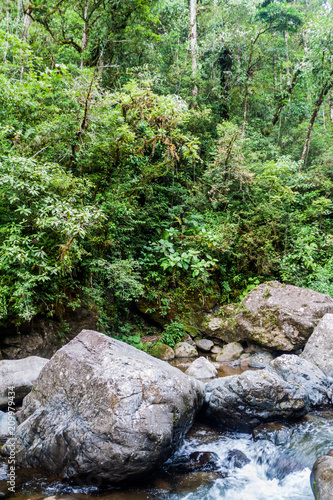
[278,470]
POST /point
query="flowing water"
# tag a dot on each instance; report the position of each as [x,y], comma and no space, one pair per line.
[273,464]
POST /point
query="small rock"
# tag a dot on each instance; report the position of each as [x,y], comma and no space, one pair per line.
[197,461]
[237,459]
[205,345]
[185,350]
[216,349]
[202,368]
[260,360]
[163,351]
[230,352]
[276,432]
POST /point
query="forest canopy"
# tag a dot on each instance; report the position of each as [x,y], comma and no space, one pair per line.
[162,151]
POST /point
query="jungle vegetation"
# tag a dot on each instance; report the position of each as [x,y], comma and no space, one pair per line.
[162,150]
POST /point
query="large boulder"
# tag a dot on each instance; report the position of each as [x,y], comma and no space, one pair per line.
[285,390]
[322,477]
[276,316]
[19,375]
[103,408]
[319,347]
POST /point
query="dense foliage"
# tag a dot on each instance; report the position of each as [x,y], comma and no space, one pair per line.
[134,168]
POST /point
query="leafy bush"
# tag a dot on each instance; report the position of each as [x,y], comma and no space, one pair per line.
[44,224]
[173,333]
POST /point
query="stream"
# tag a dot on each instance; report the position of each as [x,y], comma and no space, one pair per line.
[274,463]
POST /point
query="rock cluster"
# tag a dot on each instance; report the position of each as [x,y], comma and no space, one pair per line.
[285,390]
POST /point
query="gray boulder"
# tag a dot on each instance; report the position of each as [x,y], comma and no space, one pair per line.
[204,344]
[286,390]
[260,360]
[202,368]
[230,351]
[319,347]
[276,316]
[20,375]
[103,408]
[322,477]
[185,350]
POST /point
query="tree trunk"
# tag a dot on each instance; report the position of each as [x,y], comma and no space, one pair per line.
[287,58]
[327,87]
[331,106]
[194,42]
[25,30]
[84,42]
[245,110]
[7,44]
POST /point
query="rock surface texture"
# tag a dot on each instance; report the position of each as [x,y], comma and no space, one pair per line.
[322,477]
[202,368]
[19,374]
[319,347]
[286,390]
[101,408]
[280,317]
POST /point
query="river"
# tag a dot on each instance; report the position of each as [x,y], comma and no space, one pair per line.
[279,461]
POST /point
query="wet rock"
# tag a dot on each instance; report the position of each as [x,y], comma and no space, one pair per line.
[204,345]
[204,460]
[196,461]
[319,347]
[304,375]
[286,390]
[194,480]
[276,316]
[276,432]
[202,368]
[185,350]
[287,465]
[101,407]
[230,351]
[8,424]
[322,477]
[161,484]
[19,375]
[260,360]
[163,351]
[237,459]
